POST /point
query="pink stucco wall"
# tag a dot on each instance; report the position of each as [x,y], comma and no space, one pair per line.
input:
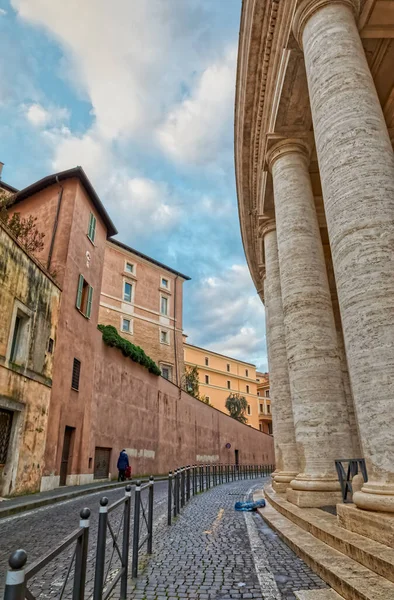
[167,428]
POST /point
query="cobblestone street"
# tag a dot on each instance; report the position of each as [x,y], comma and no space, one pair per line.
[212,551]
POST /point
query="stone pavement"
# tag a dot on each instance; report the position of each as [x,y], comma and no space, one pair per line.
[213,552]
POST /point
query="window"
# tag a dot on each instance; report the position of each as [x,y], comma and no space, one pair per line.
[268,409]
[164,337]
[129,267]
[206,361]
[246,372]
[92,227]
[50,345]
[76,374]
[258,393]
[228,368]
[84,297]
[164,283]
[260,427]
[267,393]
[229,384]
[206,378]
[248,409]
[126,325]
[164,305]
[166,372]
[20,336]
[270,428]
[127,291]
[247,389]
[208,398]
[261,408]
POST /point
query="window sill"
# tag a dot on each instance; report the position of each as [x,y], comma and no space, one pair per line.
[91,241]
[126,332]
[75,389]
[83,314]
[165,343]
[165,291]
[130,275]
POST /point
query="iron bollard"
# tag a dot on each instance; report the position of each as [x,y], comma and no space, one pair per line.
[187,483]
[227,473]
[174,492]
[15,580]
[178,492]
[100,552]
[150,514]
[136,529]
[206,478]
[169,504]
[194,480]
[182,487]
[201,478]
[81,555]
[126,542]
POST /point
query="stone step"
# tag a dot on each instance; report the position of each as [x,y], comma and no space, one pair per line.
[317,595]
[347,577]
[324,526]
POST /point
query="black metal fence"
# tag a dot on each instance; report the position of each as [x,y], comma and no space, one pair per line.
[183,484]
[352,466]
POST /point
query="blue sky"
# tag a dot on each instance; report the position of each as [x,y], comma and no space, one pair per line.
[143,98]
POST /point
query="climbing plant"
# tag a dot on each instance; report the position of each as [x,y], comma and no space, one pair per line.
[112,338]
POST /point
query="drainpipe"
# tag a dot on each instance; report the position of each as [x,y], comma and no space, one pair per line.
[59,203]
[175,348]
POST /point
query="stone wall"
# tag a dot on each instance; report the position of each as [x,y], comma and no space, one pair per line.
[162,427]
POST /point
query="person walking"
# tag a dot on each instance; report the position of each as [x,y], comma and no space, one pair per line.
[123,463]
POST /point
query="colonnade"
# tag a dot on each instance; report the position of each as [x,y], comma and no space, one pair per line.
[313,423]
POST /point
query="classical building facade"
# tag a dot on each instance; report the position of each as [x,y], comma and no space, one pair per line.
[220,375]
[142,298]
[263,392]
[315,178]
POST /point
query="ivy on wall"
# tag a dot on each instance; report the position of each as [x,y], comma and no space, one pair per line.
[112,338]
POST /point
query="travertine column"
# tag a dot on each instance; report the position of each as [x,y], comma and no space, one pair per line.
[319,405]
[357,174]
[282,411]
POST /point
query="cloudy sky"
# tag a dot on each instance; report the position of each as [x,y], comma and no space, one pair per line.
[140,93]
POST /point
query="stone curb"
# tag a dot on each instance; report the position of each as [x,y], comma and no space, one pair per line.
[20,508]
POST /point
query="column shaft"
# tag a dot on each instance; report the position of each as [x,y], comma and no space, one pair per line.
[282,411]
[319,405]
[357,173]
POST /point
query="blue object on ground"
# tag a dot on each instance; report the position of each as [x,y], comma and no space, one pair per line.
[249,506]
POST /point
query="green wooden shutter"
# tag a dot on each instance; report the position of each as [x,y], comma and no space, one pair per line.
[89,302]
[79,293]
[92,227]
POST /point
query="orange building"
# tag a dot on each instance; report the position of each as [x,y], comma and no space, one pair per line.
[220,375]
[263,392]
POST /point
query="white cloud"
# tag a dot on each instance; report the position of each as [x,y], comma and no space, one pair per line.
[2,12]
[40,117]
[196,130]
[230,318]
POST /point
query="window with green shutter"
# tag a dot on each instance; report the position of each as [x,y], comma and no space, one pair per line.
[92,227]
[84,297]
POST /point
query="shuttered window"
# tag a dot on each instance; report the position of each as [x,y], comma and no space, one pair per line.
[84,297]
[92,227]
[76,374]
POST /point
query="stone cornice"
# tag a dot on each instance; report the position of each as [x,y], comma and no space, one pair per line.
[287,147]
[307,8]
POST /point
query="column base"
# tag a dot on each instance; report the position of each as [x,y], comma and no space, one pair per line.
[281,481]
[375,497]
[374,525]
[312,499]
[280,488]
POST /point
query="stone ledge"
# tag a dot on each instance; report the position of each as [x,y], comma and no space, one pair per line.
[325,527]
[317,595]
[348,578]
[375,526]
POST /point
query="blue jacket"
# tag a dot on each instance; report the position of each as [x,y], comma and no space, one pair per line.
[123,461]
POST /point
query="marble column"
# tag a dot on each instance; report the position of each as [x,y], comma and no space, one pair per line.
[319,405]
[357,173]
[282,411]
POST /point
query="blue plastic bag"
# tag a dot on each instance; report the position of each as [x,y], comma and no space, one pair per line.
[249,506]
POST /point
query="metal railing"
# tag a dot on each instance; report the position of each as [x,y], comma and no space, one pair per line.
[111,561]
[186,482]
[345,476]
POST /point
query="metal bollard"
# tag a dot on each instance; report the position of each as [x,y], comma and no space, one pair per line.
[178,491]
[100,551]
[136,529]
[15,579]
[81,555]
[201,478]
[193,480]
[126,542]
[182,487]
[169,503]
[187,483]
[175,483]
[150,514]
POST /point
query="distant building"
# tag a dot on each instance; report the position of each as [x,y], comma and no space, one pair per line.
[220,375]
[143,299]
[263,392]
